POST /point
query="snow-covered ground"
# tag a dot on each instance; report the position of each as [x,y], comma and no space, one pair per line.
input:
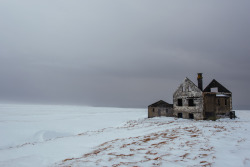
[34,135]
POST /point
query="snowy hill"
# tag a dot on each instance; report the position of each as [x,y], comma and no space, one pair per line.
[33,135]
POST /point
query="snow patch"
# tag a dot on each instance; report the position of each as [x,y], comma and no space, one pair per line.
[45,135]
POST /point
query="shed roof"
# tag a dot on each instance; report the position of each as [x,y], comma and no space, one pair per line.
[161,103]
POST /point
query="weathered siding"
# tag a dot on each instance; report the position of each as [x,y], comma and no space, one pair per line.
[160,111]
[222,107]
[215,105]
[209,105]
[217,99]
[188,91]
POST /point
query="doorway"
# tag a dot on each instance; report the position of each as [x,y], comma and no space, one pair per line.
[159,112]
[191,116]
[179,115]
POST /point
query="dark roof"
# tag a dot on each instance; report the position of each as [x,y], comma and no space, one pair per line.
[161,103]
[215,84]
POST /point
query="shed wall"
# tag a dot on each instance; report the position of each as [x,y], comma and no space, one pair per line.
[160,111]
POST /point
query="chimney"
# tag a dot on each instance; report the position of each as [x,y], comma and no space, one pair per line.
[200,84]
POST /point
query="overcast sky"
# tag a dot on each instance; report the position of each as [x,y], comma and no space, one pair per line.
[121,53]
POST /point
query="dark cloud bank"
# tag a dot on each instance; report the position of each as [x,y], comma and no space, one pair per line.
[121,53]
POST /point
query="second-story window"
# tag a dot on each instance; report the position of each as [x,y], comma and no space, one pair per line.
[179,102]
[191,102]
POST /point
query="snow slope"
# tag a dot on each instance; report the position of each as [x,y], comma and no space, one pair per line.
[32,135]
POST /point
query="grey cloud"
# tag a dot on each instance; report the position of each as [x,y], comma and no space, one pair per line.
[120,53]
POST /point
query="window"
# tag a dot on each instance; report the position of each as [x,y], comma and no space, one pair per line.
[153,109]
[191,116]
[191,102]
[179,102]
[179,115]
[214,89]
[225,102]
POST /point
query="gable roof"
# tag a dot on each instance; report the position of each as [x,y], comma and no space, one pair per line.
[187,81]
[160,103]
[215,84]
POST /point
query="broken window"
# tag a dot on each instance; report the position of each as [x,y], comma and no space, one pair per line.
[179,102]
[191,116]
[191,102]
[214,89]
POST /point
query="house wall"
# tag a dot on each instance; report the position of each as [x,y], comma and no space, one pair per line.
[214,105]
[209,105]
[222,108]
[160,111]
[188,90]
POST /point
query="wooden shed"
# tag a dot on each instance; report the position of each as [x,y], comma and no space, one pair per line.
[160,108]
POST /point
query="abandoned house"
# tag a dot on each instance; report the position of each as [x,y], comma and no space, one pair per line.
[160,108]
[192,102]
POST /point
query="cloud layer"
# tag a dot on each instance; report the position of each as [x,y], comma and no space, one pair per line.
[120,53]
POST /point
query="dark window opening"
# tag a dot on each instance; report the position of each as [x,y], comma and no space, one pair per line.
[179,102]
[225,102]
[179,115]
[153,110]
[191,116]
[191,102]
